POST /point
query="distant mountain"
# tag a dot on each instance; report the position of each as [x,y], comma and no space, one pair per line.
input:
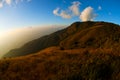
[77,35]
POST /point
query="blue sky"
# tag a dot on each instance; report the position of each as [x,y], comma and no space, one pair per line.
[25,13]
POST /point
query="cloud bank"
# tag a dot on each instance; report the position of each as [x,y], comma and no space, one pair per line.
[87,14]
[17,37]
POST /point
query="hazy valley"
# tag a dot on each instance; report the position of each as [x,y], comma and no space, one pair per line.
[16,38]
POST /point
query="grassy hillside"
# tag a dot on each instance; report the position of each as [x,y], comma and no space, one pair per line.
[56,64]
[83,51]
[93,35]
[77,35]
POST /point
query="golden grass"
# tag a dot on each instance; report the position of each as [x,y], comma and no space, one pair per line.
[55,64]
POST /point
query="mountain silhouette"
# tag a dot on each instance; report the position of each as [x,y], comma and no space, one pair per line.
[77,35]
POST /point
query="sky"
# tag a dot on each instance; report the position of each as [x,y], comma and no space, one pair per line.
[26,13]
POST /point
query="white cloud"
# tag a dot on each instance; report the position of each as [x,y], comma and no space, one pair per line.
[65,15]
[72,10]
[75,8]
[55,12]
[62,13]
[1,4]
[87,14]
[8,2]
[99,8]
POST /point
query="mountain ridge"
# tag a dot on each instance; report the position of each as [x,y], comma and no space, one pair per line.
[62,38]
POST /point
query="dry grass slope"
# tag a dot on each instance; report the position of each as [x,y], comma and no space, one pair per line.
[83,51]
[56,64]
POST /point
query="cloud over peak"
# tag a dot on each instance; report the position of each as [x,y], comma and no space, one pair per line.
[88,14]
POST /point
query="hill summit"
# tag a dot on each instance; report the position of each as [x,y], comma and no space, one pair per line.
[77,35]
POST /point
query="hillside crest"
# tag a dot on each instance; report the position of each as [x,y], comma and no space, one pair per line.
[77,35]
